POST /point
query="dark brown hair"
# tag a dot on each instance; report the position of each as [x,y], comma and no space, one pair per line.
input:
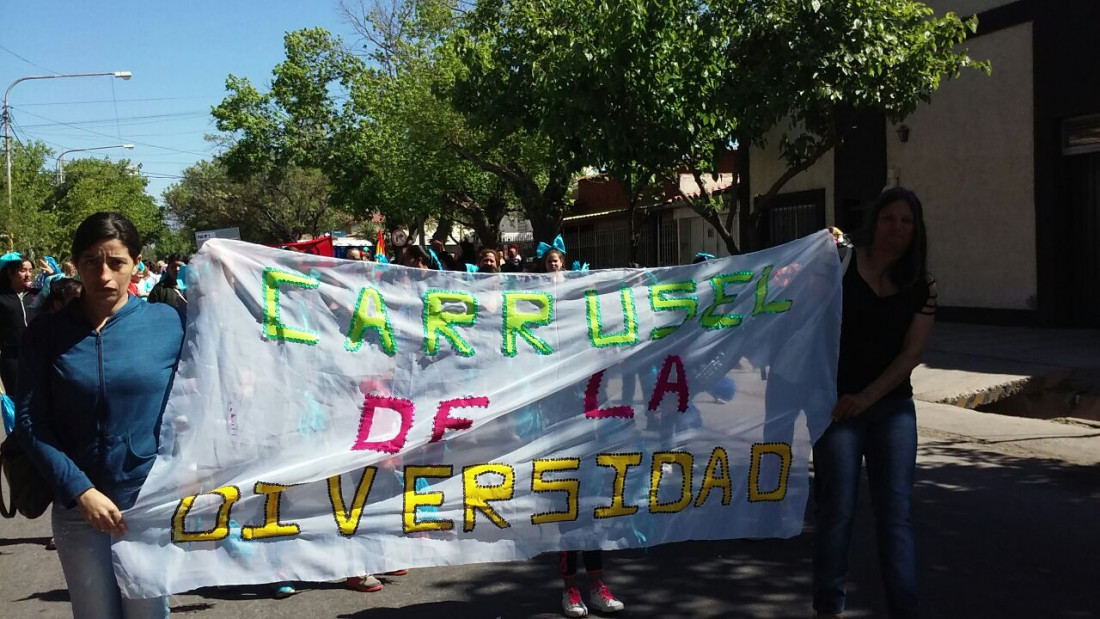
[912,267]
[105,227]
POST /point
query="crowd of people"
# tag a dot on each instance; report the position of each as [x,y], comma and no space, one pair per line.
[89,421]
[465,258]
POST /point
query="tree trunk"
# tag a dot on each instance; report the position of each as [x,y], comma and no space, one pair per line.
[705,206]
[495,211]
[629,183]
[544,225]
[544,208]
[443,230]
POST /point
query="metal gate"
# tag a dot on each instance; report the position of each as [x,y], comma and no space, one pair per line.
[793,216]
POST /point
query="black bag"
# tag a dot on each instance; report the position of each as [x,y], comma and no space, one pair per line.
[30,494]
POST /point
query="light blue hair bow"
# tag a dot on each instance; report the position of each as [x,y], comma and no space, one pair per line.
[471,268]
[181,278]
[578,266]
[435,259]
[381,259]
[559,244]
[12,256]
[704,255]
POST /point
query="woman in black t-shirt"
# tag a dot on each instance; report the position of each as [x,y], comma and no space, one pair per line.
[889,305]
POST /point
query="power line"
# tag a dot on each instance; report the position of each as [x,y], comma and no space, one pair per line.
[158,135]
[16,125]
[109,101]
[107,135]
[161,176]
[147,119]
[33,64]
[118,125]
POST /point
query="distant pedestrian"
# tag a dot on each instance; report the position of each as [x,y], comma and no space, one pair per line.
[466,254]
[169,289]
[148,281]
[512,261]
[62,292]
[889,305]
[487,261]
[599,596]
[415,257]
[17,309]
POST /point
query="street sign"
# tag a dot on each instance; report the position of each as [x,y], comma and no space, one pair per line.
[203,236]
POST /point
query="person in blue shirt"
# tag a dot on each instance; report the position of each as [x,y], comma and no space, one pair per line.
[95,378]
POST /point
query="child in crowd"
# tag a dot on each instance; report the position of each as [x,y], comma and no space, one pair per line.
[599,596]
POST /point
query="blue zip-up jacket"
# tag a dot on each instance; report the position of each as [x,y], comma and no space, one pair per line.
[89,404]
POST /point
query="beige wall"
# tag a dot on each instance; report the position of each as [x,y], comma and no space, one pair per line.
[767,167]
[970,158]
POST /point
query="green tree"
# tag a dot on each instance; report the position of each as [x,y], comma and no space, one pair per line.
[848,58]
[267,208]
[171,241]
[619,86]
[497,103]
[414,127]
[94,185]
[45,213]
[285,147]
[31,227]
[644,88]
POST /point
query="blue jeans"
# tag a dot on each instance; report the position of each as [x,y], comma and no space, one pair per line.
[85,556]
[886,436]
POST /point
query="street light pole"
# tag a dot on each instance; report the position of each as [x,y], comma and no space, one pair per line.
[124,75]
[61,157]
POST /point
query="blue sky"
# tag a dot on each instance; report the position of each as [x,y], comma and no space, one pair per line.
[179,52]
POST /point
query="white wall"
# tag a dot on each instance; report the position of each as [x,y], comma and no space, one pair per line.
[970,158]
[767,166]
[694,234]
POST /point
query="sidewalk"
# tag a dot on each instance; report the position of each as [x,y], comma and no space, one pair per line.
[973,365]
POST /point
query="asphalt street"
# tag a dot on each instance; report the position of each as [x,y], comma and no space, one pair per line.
[1003,531]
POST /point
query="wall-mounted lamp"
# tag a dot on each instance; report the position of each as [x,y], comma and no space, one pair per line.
[903,133]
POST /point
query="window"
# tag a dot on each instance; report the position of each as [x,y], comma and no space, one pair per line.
[1081,135]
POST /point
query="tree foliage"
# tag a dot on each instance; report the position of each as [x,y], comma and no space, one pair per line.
[33,227]
[271,209]
[643,88]
[95,185]
[45,214]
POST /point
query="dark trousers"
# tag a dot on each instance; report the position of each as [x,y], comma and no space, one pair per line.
[567,562]
[9,373]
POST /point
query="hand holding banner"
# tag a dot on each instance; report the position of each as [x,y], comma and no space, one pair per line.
[333,418]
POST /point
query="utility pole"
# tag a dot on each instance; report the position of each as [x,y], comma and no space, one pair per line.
[6,115]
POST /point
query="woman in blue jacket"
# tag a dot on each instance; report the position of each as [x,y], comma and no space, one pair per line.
[95,379]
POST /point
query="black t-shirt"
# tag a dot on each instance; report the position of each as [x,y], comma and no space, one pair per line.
[15,314]
[873,330]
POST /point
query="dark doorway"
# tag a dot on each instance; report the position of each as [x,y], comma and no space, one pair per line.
[1082,187]
[860,169]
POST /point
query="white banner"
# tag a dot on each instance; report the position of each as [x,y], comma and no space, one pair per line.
[332,418]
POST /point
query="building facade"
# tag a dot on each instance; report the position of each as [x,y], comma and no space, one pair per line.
[1007,166]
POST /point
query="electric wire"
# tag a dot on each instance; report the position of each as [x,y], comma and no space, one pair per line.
[118,125]
[33,64]
[100,133]
[48,103]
